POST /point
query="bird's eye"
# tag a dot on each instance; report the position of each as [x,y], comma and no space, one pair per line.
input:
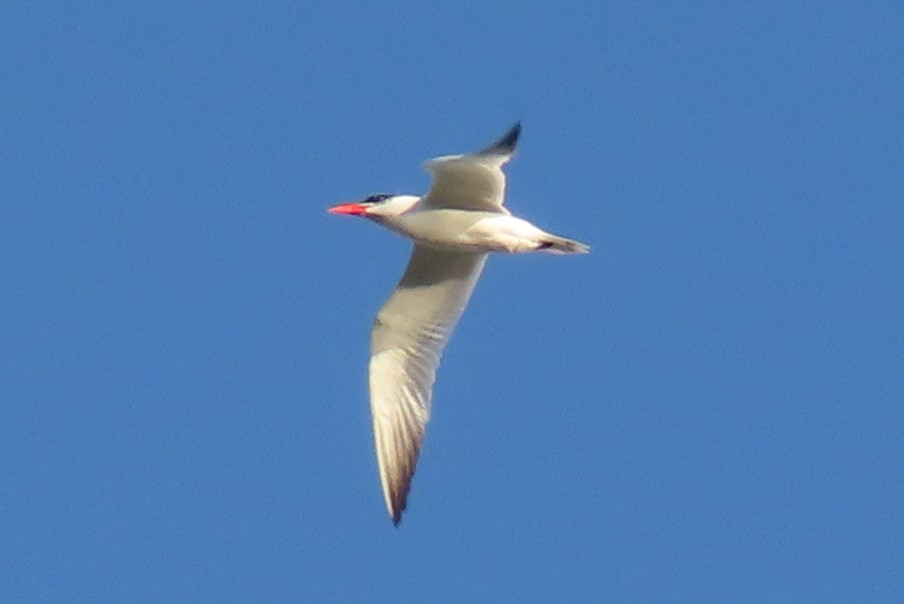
[377,198]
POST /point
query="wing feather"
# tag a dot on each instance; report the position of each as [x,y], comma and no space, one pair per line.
[474,181]
[407,342]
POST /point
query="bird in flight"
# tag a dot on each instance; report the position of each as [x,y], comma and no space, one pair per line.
[454,226]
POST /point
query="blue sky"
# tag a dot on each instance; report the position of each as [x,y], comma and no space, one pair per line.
[708,408]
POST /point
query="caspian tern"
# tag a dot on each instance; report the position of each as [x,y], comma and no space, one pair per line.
[453,226]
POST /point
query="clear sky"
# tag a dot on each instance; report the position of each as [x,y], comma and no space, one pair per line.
[707,408]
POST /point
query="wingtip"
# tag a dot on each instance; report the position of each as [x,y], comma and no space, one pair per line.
[397,501]
[395,513]
[507,144]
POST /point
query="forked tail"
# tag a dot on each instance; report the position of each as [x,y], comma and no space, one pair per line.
[561,245]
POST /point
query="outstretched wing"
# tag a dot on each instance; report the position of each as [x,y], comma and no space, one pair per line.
[474,181]
[408,338]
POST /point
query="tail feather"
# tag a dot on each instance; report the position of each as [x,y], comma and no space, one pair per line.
[562,245]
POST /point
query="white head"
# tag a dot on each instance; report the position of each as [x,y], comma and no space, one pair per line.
[378,207]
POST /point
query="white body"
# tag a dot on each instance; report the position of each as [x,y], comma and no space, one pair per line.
[453,226]
[468,230]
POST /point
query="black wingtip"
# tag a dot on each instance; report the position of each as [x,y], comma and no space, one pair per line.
[398,507]
[505,145]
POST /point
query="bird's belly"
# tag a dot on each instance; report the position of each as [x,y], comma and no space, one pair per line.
[468,230]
